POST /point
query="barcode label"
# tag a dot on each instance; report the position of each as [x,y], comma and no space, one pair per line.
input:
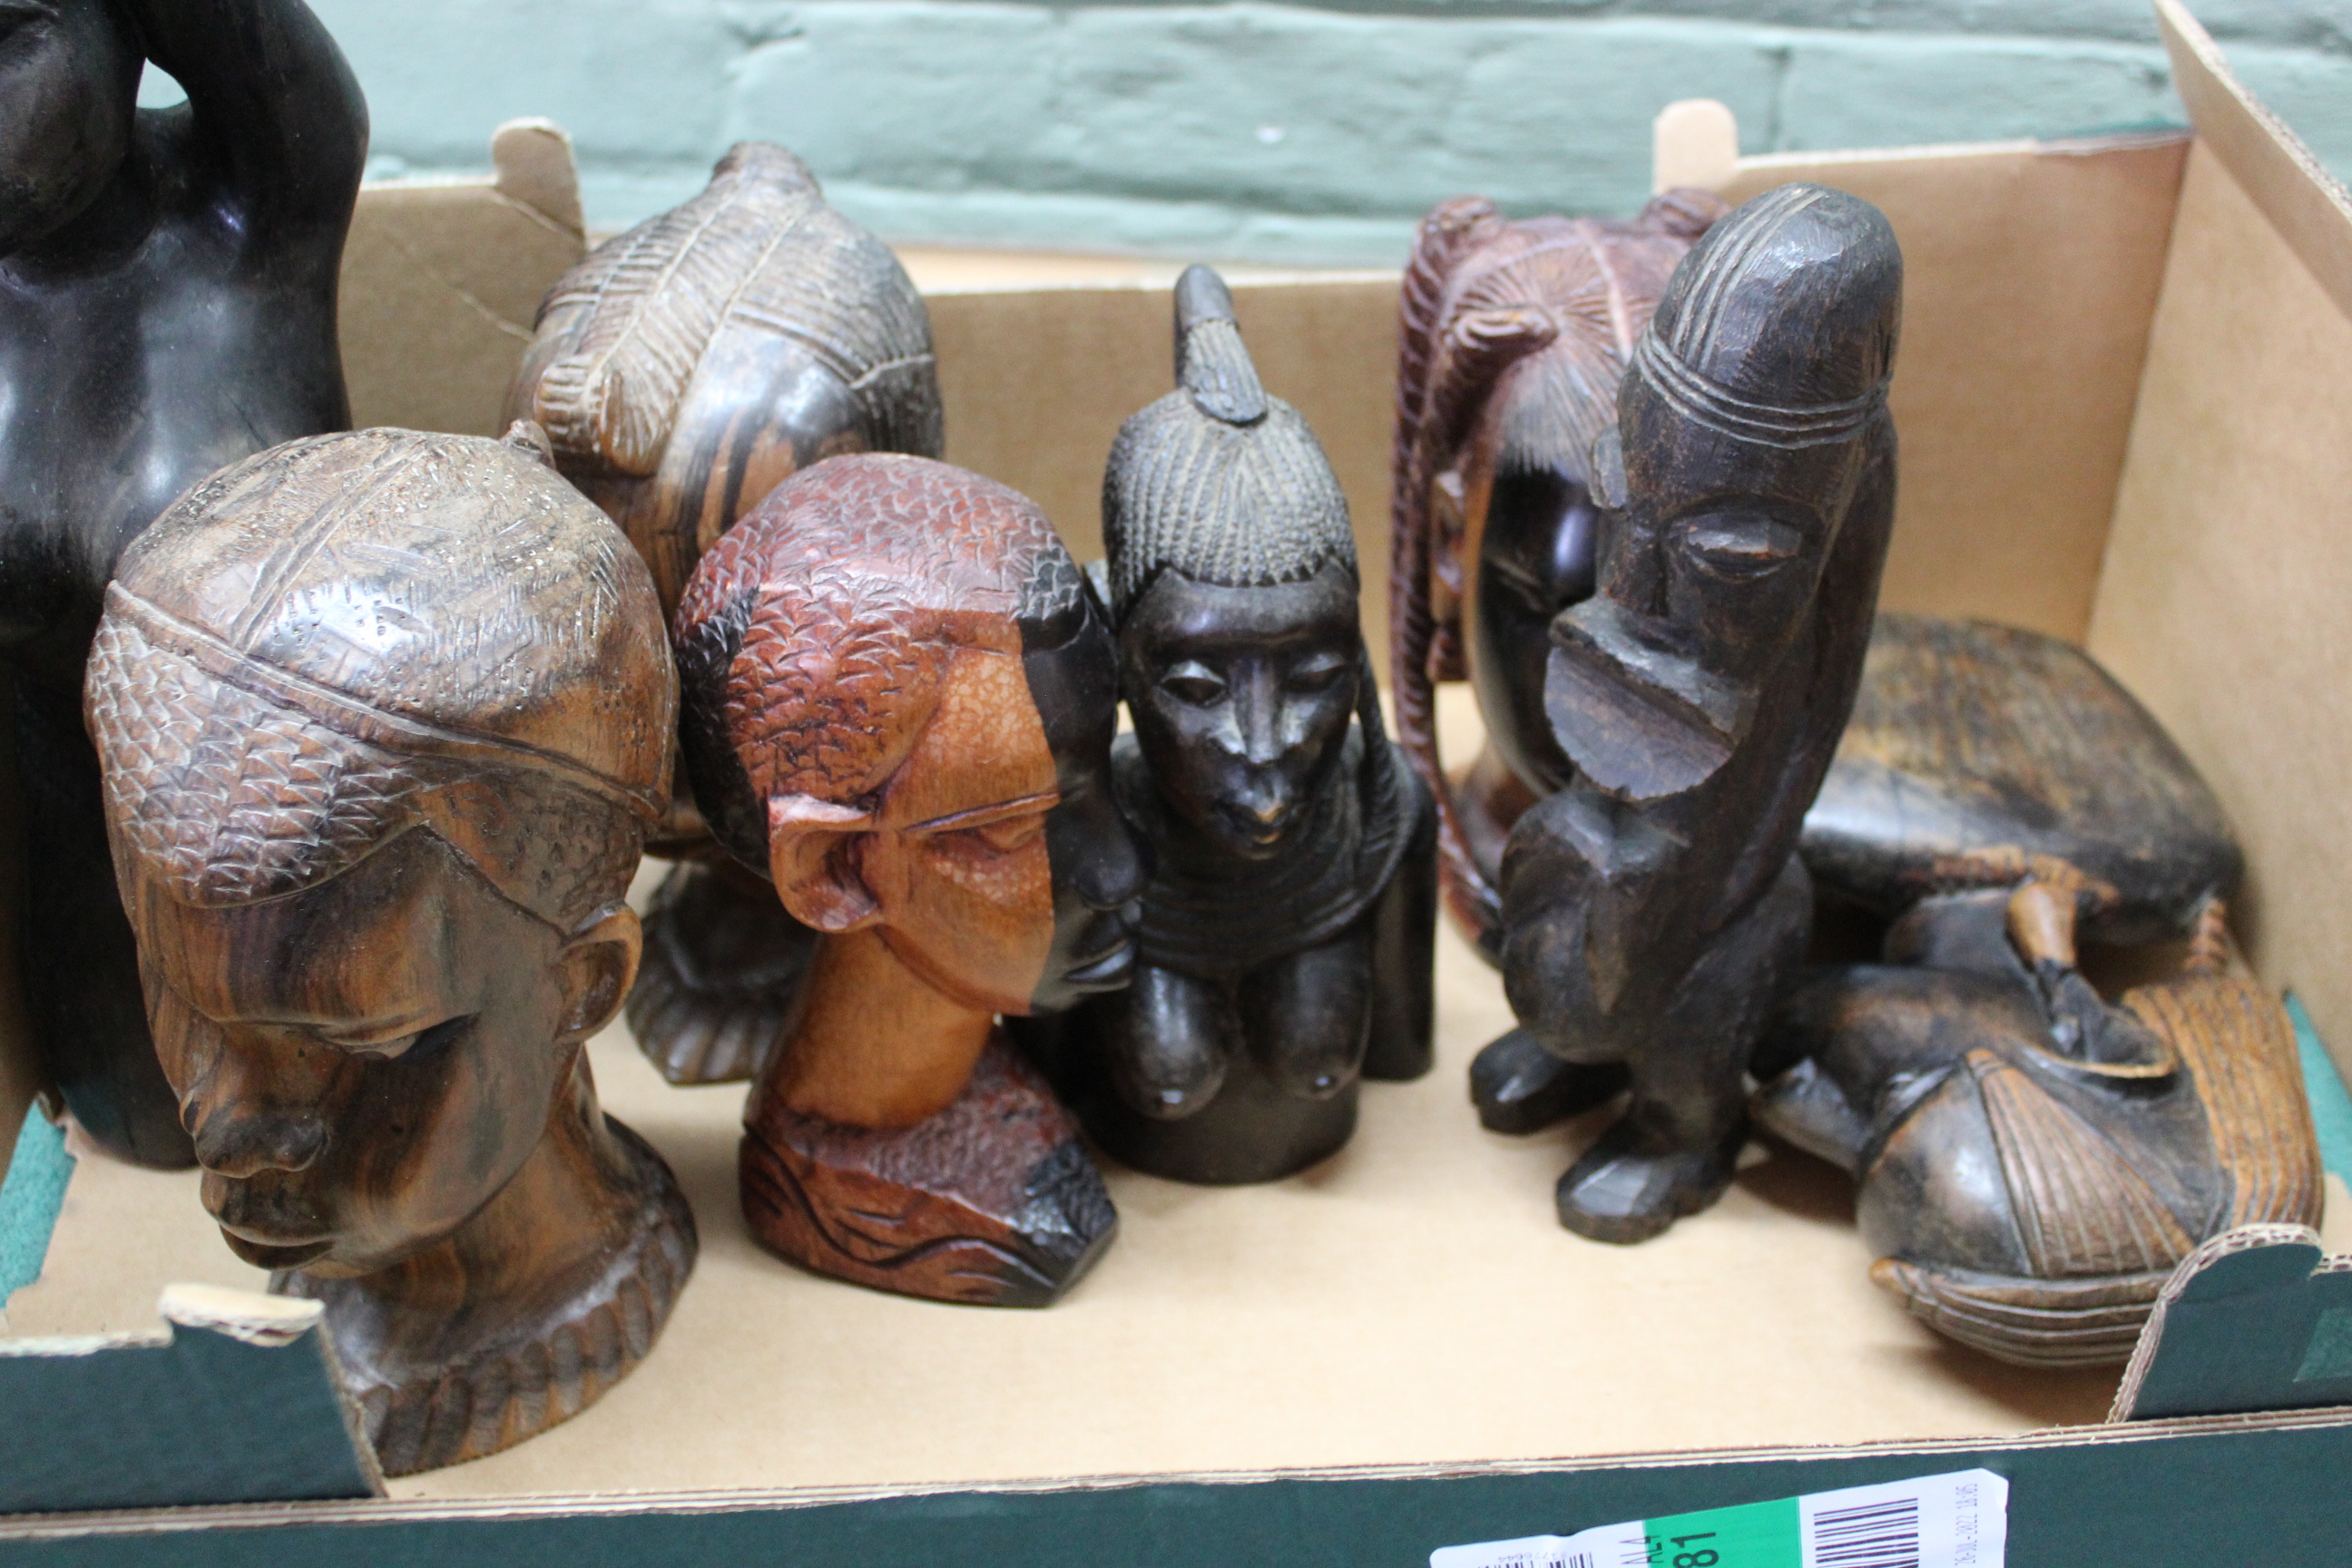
[1957,1520]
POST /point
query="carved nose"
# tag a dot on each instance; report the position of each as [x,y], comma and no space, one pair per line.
[240,1146]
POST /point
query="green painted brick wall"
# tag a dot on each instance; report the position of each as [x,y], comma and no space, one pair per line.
[1307,134]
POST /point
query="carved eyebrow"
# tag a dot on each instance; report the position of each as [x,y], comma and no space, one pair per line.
[984,815]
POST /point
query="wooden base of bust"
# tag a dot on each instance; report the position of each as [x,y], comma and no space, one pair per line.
[992,1202]
[723,963]
[528,1314]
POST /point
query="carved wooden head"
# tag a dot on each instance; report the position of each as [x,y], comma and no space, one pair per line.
[685,368]
[70,79]
[382,718]
[1233,584]
[1513,337]
[1754,405]
[899,699]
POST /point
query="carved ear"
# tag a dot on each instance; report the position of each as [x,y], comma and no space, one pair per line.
[599,963]
[813,860]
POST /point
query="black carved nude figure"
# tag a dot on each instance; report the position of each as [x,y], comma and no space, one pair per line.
[1654,911]
[167,306]
[1287,929]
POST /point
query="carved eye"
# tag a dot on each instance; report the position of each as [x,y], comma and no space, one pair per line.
[1195,683]
[1741,544]
[1012,833]
[1319,673]
[420,1043]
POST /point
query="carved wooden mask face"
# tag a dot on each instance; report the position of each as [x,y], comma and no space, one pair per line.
[1241,698]
[69,79]
[365,1063]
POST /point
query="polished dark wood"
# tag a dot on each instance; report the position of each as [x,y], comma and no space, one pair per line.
[167,305]
[384,718]
[2032,1160]
[684,369]
[898,698]
[1970,738]
[1288,926]
[1653,908]
[1512,339]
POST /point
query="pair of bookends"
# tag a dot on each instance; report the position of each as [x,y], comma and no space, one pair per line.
[682,371]
[2032,1159]
[167,305]
[1654,908]
[384,720]
[898,698]
[1287,929]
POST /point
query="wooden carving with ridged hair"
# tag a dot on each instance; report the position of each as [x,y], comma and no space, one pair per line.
[1512,339]
[899,702]
[683,371]
[384,718]
[2033,1160]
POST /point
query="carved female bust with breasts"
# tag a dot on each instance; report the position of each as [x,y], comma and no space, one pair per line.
[682,371]
[1287,929]
[898,706]
[384,718]
[1653,911]
[167,306]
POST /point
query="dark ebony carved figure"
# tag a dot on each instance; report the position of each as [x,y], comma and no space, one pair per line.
[683,371]
[899,698]
[1513,337]
[1287,929]
[2032,1160]
[384,718]
[167,305]
[1653,911]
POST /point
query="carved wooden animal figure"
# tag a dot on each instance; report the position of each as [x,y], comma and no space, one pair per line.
[683,371]
[1653,911]
[2032,1160]
[384,718]
[1287,928]
[1512,340]
[899,696]
[1970,738]
[167,305]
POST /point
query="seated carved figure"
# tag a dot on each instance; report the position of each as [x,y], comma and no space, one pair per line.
[683,371]
[1287,928]
[2032,1160]
[167,305]
[899,698]
[384,718]
[1513,337]
[1653,911]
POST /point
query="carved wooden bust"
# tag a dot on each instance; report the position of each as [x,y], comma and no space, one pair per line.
[899,698]
[1287,929]
[2033,1160]
[1654,909]
[1512,340]
[683,370]
[384,718]
[167,305]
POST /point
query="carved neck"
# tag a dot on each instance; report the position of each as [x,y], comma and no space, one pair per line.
[875,1045]
[569,1209]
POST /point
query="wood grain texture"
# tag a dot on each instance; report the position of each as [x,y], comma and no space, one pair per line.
[384,718]
[899,703]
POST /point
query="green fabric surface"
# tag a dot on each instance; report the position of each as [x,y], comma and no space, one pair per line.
[30,1196]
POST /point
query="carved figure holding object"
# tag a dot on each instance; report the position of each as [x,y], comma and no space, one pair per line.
[167,306]
[384,718]
[1654,911]
[683,371]
[899,696]
[1287,929]
[1513,336]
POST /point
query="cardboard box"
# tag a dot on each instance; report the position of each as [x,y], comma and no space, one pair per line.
[2121,405]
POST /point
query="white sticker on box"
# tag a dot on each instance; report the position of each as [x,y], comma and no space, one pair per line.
[1955,1520]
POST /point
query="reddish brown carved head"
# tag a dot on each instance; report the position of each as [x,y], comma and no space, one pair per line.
[383,718]
[899,696]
